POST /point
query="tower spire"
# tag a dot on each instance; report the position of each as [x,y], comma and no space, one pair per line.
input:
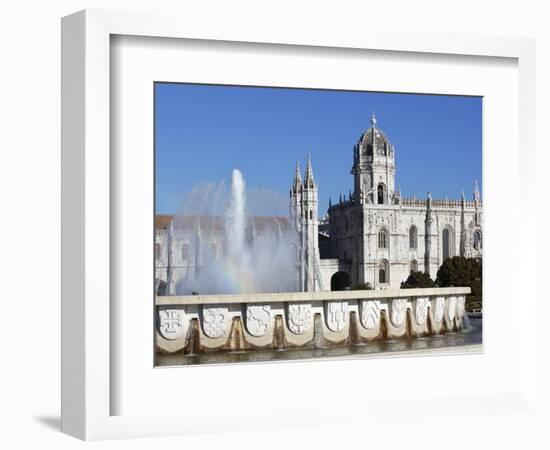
[476,193]
[297,184]
[309,182]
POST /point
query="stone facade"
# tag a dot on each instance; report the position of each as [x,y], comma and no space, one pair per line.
[375,236]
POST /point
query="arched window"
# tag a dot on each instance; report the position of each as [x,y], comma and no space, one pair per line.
[157,252]
[477,240]
[446,238]
[383,238]
[381,194]
[414,265]
[383,272]
[382,276]
[413,237]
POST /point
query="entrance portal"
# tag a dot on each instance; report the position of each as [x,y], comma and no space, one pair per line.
[339,281]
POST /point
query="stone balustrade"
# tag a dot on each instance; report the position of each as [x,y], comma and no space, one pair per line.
[436,203]
[247,322]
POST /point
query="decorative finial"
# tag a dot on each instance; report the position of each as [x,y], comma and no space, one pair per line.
[373,119]
[476,192]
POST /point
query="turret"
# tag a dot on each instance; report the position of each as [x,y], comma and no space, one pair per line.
[477,204]
[304,207]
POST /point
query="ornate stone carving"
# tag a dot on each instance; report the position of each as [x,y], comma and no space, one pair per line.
[421,310]
[258,318]
[460,306]
[336,315]
[398,311]
[370,314]
[171,323]
[439,309]
[213,321]
[300,317]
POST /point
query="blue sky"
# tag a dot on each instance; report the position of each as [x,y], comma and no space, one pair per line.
[203,132]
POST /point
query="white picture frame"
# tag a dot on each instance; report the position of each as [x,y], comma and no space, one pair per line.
[87,316]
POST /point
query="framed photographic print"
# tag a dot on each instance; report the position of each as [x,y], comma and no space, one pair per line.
[255,224]
[303,276]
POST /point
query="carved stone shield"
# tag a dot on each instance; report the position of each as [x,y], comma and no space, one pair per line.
[398,311]
[172,323]
[439,309]
[421,310]
[336,314]
[213,321]
[300,317]
[451,310]
[258,318]
[370,314]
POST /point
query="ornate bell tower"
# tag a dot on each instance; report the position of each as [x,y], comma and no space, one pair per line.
[374,167]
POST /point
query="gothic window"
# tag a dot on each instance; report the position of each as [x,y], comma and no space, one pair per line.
[477,240]
[381,193]
[414,266]
[446,244]
[383,238]
[382,276]
[157,252]
[413,237]
[383,272]
[311,215]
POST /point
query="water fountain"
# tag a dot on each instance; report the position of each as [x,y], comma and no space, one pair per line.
[241,240]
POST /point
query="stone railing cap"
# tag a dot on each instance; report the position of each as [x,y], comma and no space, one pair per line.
[292,297]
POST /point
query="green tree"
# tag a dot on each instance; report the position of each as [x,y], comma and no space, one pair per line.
[418,280]
[460,271]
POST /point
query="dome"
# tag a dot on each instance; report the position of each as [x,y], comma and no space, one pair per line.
[374,138]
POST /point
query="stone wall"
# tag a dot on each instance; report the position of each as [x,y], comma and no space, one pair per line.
[202,324]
